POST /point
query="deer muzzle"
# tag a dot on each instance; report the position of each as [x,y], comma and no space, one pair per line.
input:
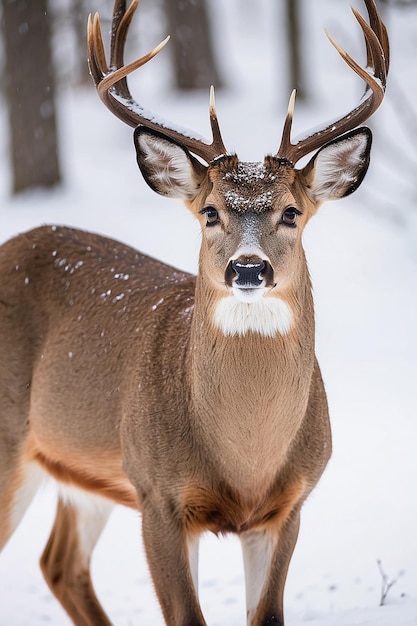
[249,272]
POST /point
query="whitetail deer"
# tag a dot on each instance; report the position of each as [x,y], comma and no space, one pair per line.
[196,400]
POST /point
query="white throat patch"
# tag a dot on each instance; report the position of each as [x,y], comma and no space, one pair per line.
[267,316]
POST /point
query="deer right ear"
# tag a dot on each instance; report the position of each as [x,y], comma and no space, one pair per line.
[338,168]
[167,167]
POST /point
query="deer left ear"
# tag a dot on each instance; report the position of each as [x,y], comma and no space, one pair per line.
[337,169]
[167,167]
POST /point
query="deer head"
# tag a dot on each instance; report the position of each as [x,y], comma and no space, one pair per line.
[252,214]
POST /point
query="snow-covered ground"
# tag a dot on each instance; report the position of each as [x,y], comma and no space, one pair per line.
[362,258]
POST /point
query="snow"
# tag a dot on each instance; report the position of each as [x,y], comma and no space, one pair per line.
[362,259]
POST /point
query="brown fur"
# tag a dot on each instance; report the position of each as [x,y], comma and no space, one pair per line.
[103,478]
[219,510]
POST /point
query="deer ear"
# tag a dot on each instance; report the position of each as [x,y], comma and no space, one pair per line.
[338,168]
[167,167]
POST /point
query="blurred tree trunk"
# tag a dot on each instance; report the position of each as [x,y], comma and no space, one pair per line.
[80,13]
[30,94]
[191,44]
[296,74]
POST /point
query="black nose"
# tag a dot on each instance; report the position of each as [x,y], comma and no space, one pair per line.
[249,271]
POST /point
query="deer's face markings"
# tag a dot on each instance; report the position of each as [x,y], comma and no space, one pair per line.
[252,222]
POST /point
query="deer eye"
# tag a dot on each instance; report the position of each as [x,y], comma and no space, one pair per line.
[212,215]
[289,217]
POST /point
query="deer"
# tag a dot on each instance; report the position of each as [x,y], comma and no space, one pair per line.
[196,400]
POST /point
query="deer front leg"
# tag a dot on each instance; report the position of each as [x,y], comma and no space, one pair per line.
[266,557]
[172,557]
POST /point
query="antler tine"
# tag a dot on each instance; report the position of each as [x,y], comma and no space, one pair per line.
[285,147]
[375,52]
[379,29]
[96,57]
[374,76]
[218,145]
[121,21]
[113,90]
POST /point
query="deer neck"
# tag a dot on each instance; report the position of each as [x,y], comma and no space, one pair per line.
[251,388]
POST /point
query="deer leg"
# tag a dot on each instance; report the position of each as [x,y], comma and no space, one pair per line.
[18,485]
[266,558]
[65,561]
[172,559]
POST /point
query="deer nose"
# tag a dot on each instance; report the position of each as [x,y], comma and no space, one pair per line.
[247,272]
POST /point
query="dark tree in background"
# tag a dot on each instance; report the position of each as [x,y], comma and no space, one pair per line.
[191,44]
[296,78]
[29,82]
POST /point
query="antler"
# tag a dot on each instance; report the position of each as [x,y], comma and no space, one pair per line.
[110,81]
[374,75]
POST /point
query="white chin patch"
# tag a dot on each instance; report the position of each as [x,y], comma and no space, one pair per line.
[265,316]
[248,295]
